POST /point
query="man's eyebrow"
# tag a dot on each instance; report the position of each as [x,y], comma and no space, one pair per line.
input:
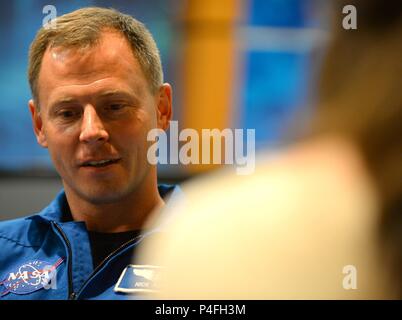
[66,100]
[110,93]
[115,93]
[131,96]
[62,100]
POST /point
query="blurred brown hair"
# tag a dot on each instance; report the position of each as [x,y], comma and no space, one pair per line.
[360,96]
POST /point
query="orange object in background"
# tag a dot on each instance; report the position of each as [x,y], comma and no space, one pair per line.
[209,67]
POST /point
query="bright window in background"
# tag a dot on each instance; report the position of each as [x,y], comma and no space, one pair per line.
[278,41]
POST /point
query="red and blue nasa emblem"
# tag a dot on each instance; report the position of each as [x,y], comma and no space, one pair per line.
[30,276]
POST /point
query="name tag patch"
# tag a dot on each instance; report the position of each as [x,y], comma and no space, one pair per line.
[138,279]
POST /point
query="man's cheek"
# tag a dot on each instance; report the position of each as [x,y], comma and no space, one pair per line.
[59,160]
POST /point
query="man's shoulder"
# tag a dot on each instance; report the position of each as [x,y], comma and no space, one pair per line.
[15,230]
[12,223]
[169,192]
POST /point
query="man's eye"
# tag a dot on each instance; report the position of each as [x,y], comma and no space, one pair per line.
[66,114]
[116,107]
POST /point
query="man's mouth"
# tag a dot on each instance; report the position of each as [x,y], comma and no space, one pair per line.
[100,163]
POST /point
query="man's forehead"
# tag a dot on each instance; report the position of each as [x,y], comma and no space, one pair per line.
[111,57]
[110,49]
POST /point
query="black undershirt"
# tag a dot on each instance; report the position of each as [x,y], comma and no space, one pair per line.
[103,244]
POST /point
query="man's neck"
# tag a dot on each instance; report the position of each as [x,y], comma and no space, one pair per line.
[129,213]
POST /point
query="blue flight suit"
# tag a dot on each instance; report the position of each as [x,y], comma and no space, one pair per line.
[43,257]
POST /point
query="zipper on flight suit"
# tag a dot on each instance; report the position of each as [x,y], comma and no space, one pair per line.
[122,247]
[74,295]
[71,294]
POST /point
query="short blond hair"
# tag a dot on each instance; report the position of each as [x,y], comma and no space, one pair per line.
[83,28]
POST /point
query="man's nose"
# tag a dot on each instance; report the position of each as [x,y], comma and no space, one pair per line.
[92,127]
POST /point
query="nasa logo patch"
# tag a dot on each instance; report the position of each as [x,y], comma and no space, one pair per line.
[29,277]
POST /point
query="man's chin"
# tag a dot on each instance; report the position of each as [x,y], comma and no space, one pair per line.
[98,196]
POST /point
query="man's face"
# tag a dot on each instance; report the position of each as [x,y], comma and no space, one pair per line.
[96,108]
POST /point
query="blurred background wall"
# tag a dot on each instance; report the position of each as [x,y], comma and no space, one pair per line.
[232,64]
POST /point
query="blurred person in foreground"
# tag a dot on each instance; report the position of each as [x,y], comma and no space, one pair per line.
[97,88]
[322,219]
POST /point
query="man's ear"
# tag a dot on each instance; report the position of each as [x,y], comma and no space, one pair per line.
[164,112]
[37,124]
